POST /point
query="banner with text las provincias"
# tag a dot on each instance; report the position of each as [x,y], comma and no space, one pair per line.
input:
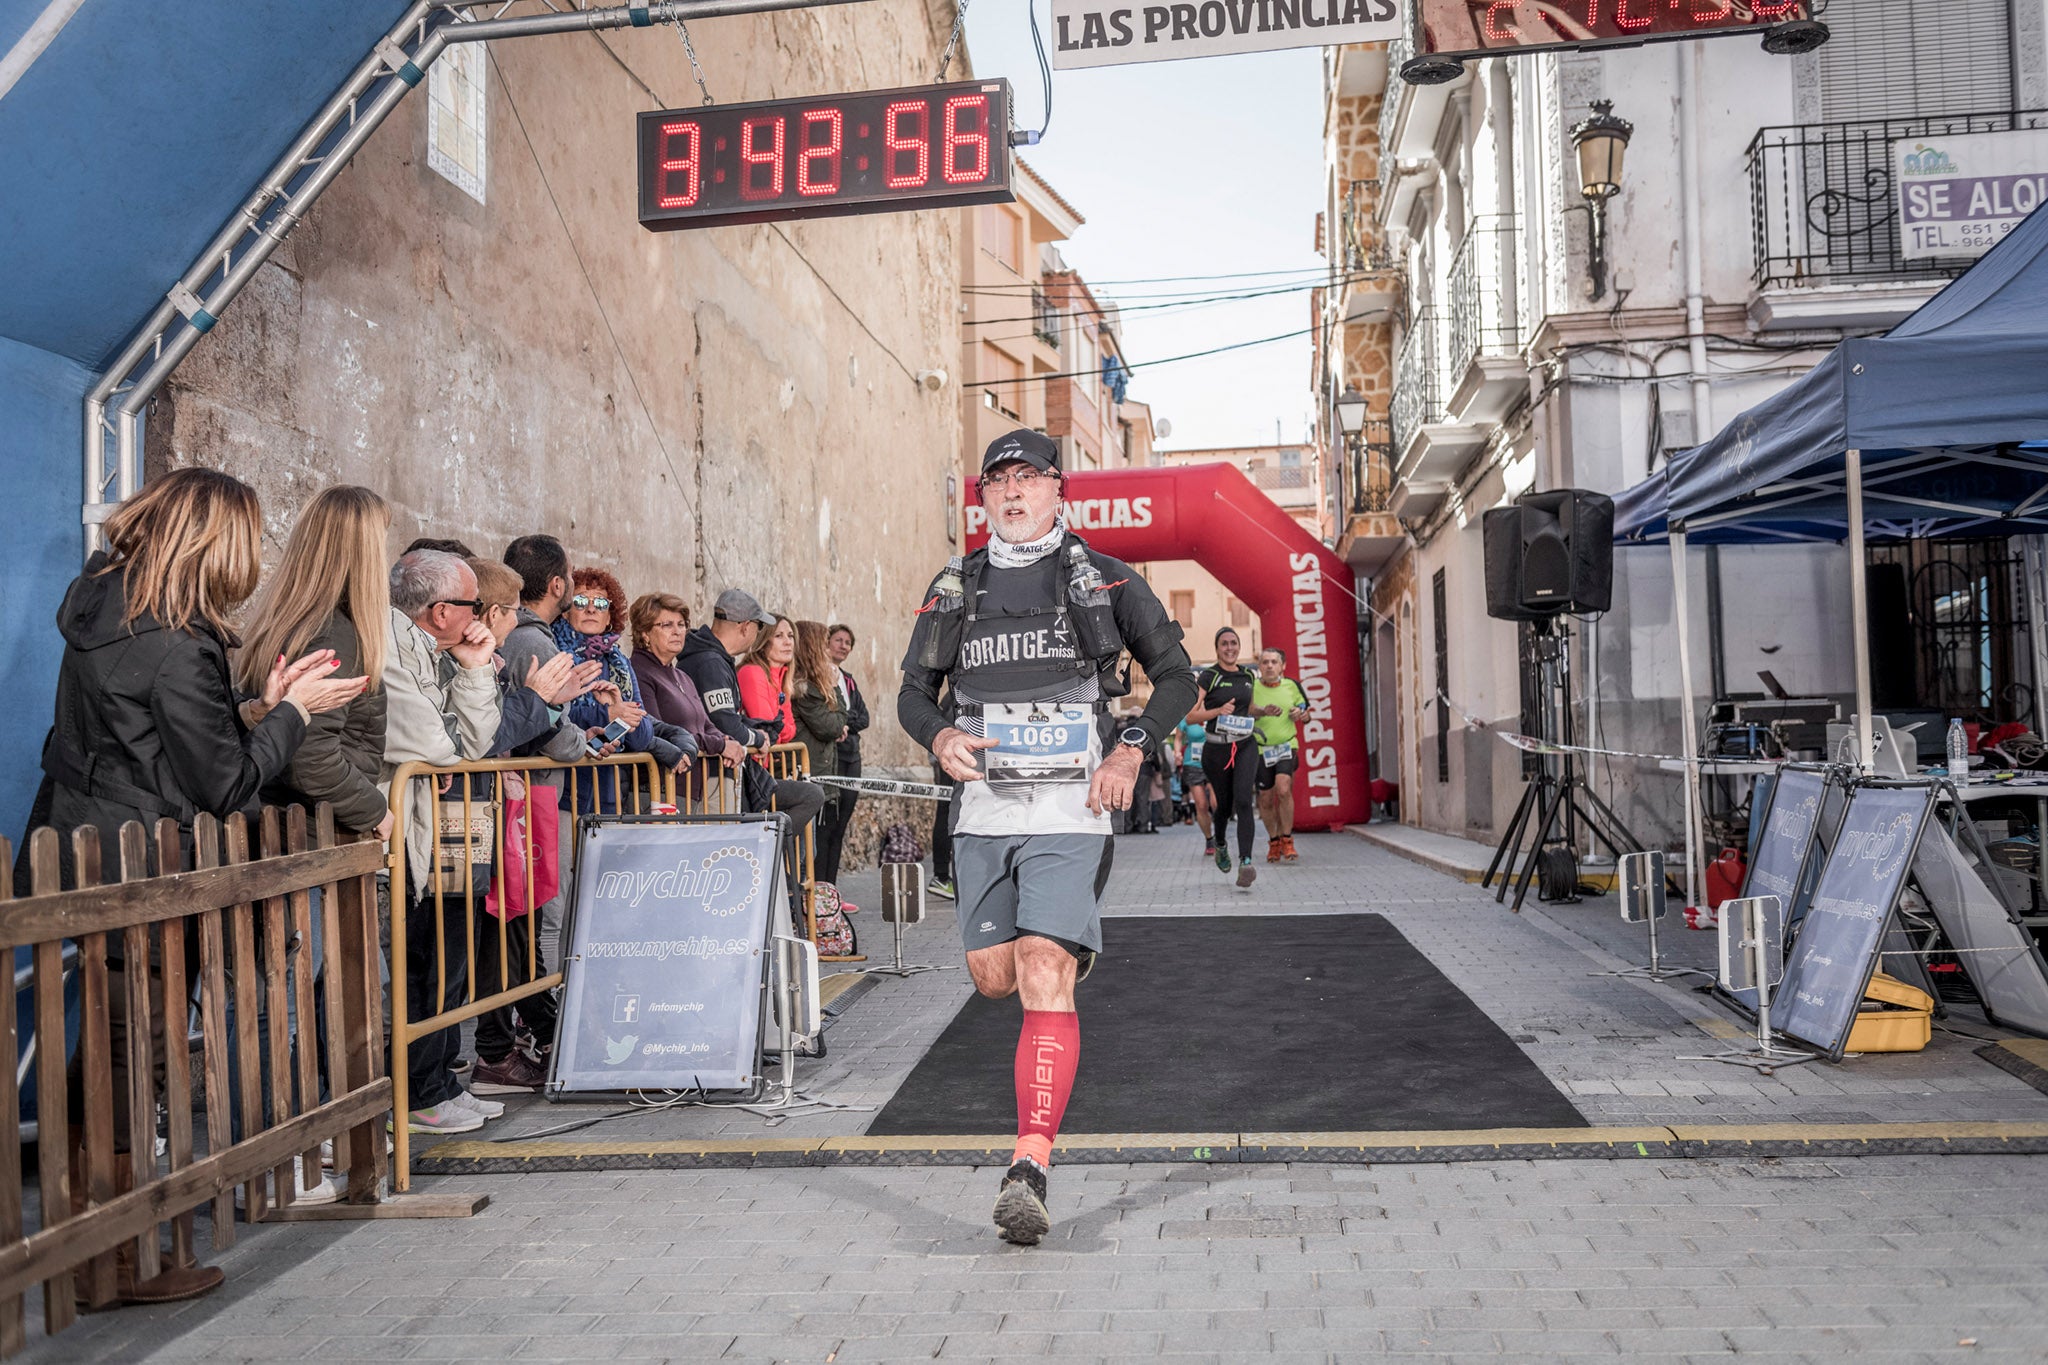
[1959,194]
[1111,32]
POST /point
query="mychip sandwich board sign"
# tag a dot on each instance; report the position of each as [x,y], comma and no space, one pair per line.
[665,980]
[1839,940]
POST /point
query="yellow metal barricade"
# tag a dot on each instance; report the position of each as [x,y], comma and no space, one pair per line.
[468,830]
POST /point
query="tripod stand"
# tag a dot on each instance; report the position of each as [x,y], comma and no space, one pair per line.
[1554,803]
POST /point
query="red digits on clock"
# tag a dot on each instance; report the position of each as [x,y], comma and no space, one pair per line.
[1628,22]
[1776,9]
[668,193]
[1500,21]
[757,156]
[974,139]
[907,130]
[1711,11]
[1592,15]
[811,152]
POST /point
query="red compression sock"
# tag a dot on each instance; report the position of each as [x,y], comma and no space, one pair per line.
[1048,1050]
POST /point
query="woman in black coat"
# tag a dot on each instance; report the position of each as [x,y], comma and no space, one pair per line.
[147,721]
[148,724]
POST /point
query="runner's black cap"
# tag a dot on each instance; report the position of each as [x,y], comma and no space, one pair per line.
[1033,448]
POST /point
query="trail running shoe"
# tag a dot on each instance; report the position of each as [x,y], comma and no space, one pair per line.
[1222,859]
[1246,873]
[1020,1205]
[1289,854]
[943,890]
[1209,848]
[1273,849]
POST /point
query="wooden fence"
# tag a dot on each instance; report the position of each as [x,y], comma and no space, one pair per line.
[223,940]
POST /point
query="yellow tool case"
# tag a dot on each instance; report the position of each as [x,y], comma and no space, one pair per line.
[1894,1017]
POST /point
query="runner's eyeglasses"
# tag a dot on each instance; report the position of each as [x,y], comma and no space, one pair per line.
[1024,479]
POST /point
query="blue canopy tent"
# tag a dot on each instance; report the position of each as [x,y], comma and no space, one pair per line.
[1938,428]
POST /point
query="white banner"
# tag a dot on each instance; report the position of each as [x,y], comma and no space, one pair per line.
[1109,32]
[1958,195]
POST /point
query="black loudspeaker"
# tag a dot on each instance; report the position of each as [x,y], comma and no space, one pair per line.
[1549,553]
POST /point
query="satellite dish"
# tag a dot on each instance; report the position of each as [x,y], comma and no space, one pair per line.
[1163,429]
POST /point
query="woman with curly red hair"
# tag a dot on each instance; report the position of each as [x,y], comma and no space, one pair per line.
[589,630]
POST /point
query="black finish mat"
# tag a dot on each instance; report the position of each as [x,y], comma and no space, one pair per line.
[1247,1023]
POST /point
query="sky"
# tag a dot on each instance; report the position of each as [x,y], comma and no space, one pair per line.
[1210,167]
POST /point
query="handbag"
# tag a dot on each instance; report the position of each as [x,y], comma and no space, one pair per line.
[465,839]
[528,825]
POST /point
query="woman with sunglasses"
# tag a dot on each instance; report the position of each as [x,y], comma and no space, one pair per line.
[589,631]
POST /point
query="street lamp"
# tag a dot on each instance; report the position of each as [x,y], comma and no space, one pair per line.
[1599,139]
[1351,411]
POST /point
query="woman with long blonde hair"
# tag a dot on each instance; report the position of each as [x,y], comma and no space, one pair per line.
[147,721]
[331,592]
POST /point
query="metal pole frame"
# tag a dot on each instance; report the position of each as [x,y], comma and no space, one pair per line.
[116,403]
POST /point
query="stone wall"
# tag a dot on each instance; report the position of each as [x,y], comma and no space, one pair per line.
[690,410]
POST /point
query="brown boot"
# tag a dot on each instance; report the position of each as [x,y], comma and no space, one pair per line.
[173,1285]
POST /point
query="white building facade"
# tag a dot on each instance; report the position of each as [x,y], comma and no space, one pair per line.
[1753,230]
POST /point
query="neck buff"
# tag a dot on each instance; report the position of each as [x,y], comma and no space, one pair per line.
[1004,555]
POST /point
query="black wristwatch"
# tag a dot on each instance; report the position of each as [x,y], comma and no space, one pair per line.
[1137,737]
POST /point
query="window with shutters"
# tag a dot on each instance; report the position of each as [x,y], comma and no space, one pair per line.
[1890,59]
[1184,609]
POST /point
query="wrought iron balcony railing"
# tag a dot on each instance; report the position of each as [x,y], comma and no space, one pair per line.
[1045,319]
[1482,290]
[1418,378]
[1399,50]
[1369,469]
[1823,207]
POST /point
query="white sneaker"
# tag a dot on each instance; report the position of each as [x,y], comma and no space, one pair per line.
[477,1104]
[324,1192]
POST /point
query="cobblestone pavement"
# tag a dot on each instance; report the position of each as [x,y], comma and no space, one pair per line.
[1880,1258]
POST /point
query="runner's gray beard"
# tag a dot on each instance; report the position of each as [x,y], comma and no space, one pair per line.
[999,529]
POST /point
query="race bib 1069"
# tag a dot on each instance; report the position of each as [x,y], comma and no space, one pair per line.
[1038,742]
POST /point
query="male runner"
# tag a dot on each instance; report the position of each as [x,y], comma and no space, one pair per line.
[1279,705]
[1028,634]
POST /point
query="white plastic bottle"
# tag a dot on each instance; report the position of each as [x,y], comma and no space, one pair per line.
[1958,754]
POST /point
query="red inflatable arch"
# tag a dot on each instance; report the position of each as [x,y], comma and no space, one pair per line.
[1212,514]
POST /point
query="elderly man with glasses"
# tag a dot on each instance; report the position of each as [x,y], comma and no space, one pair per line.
[441,708]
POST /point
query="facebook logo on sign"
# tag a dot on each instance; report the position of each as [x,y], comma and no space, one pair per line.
[625,1009]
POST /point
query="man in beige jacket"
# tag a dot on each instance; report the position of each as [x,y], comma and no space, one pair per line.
[441,708]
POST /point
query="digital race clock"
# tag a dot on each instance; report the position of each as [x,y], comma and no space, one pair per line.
[927,146]
[1453,30]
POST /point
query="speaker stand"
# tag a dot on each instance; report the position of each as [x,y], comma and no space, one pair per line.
[1554,804]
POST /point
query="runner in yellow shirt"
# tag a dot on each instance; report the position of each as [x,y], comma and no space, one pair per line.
[1280,705]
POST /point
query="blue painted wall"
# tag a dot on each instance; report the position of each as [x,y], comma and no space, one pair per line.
[123,148]
[40,397]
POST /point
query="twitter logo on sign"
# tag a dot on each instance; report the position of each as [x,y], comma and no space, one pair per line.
[616,1051]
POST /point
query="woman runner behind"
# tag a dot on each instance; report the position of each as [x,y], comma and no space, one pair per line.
[1230,753]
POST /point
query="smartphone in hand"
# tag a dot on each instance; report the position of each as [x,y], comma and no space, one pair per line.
[613,733]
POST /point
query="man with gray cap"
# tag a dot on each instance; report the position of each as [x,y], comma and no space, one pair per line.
[708,658]
[1025,641]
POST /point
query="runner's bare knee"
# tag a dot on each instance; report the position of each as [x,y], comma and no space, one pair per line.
[1045,974]
[994,970]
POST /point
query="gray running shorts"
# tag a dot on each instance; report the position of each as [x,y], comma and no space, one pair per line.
[1045,884]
